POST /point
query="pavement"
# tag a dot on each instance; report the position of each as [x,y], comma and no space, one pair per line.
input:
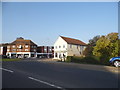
[44,73]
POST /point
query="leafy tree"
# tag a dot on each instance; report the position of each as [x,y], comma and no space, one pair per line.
[94,40]
[107,47]
[89,49]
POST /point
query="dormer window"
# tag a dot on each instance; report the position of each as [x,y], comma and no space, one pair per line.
[20,46]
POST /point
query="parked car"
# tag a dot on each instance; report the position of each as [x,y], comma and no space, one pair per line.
[115,61]
[3,56]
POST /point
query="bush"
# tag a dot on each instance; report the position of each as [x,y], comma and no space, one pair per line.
[88,60]
[104,60]
[69,58]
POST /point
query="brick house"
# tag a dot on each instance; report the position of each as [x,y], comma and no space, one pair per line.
[45,51]
[3,48]
[22,48]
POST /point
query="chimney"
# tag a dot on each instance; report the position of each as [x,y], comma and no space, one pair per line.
[20,38]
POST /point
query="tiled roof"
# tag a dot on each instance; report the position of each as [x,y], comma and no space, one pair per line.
[73,41]
[22,41]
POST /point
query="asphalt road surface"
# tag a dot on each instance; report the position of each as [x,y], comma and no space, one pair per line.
[39,74]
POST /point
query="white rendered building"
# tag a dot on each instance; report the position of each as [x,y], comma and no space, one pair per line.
[65,46]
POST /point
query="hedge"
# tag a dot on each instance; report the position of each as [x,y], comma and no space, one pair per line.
[89,59]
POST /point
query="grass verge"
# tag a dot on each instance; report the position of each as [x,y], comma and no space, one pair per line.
[11,59]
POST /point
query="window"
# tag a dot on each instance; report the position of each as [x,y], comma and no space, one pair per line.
[59,46]
[63,46]
[56,47]
[70,46]
[13,46]
[77,46]
[26,49]
[20,46]
[8,46]
[34,50]
[26,46]
[80,52]
[50,49]
[60,55]
[13,49]
[45,49]
[55,54]
[34,46]
[19,50]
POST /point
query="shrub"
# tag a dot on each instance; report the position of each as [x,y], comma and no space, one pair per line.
[89,59]
[69,58]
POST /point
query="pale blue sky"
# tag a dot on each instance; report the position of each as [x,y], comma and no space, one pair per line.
[44,22]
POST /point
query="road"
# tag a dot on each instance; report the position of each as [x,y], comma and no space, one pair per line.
[40,74]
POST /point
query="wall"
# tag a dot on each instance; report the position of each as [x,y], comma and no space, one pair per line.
[61,48]
[75,50]
[1,50]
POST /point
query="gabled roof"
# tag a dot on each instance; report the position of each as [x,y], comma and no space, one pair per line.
[73,41]
[23,41]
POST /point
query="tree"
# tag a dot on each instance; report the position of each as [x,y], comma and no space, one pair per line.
[89,49]
[107,47]
[94,40]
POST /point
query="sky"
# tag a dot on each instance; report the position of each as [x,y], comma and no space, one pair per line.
[43,22]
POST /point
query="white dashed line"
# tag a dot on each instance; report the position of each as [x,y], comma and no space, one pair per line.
[6,70]
[45,83]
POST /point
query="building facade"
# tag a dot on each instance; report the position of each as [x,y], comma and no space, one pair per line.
[45,51]
[22,48]
[65,46]
[3,48]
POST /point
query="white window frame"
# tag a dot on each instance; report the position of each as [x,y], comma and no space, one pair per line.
[26,49]
[26,46]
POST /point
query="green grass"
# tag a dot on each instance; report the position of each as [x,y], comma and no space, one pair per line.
[13,59]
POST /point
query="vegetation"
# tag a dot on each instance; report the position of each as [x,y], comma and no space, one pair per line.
[107,47]
[7,59]
[99,50]
[91,44]
[84,60]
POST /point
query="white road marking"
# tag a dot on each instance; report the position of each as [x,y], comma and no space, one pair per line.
[6,70]
[45,83]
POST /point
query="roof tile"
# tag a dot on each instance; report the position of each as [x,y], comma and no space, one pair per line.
[73,41]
